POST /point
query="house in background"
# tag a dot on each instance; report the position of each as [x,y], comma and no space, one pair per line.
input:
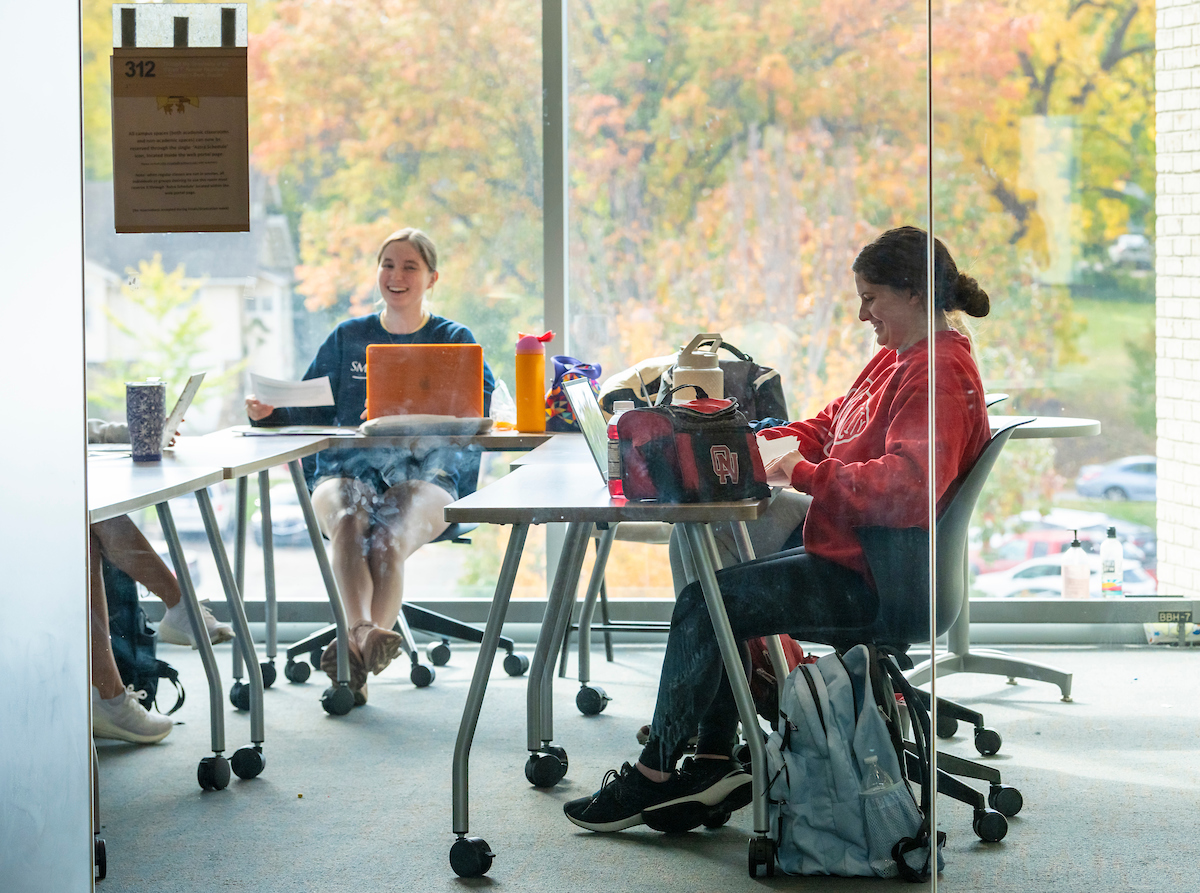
[244,288]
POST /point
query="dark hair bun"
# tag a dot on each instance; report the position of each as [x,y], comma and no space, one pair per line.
[970,298]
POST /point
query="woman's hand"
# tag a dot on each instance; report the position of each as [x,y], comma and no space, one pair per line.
[779,470]
[256,410]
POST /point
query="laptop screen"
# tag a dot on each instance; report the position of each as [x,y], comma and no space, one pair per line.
[425,379]
[591,420]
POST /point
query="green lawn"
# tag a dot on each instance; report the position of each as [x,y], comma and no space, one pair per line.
[1136,512]
[1105,359]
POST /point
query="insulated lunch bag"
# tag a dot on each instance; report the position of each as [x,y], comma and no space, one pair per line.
[698,451]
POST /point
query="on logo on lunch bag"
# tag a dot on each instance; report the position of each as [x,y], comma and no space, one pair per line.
[724,464]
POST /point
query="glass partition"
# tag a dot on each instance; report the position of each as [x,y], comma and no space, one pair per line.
[727,162]
[1044,173]
[364,118]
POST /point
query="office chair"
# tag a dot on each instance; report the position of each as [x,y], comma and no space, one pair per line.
[415,617]
[899,563]
[592,699]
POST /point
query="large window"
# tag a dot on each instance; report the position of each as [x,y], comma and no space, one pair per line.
[364,117]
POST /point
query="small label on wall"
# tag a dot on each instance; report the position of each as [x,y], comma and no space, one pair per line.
[180,140]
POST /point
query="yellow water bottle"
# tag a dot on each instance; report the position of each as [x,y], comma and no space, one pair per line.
[531,382]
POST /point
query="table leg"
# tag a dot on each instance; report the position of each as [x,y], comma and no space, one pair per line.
[470,856]
[703,548]
[217,766]
[239,562]
[268,551]
[603,548]
[741,537]
[483,667]
[559,603]
[247,762]
[337,700]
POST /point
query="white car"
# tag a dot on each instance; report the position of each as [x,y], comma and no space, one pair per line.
[1042,578]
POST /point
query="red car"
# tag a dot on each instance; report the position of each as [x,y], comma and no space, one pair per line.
[1031,544]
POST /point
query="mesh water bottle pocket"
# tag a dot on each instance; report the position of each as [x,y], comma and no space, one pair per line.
[889,814]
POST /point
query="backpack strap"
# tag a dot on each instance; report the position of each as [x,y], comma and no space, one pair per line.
[168,672]
[921,736]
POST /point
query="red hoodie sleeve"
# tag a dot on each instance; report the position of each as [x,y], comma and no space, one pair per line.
[891,490]
[813,434]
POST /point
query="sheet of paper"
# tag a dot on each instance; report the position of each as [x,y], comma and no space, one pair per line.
[772,449]
[277,393]
[284,430]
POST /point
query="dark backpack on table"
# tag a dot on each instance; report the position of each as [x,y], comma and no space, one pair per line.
[134,641]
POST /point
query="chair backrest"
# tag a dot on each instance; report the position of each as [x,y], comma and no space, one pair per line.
[899,558]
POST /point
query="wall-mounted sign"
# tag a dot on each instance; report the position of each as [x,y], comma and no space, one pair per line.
[180,140]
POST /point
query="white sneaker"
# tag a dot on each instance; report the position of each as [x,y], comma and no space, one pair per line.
[128,720]
[176,629]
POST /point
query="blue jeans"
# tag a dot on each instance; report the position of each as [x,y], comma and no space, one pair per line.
[782,593]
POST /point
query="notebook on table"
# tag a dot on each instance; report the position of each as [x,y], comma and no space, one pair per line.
[591,420]
[425,379]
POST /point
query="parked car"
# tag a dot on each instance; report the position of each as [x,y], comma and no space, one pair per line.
[186,511]
[1132,249]
[287,519]
[1020,547]
[1133,477]
[1042,578]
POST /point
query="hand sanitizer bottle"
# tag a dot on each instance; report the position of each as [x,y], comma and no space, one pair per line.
[1076,571]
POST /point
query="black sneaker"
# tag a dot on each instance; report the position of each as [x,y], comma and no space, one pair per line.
[620,801]
[706,793]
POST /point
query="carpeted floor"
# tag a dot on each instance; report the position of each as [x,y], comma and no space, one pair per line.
[1111,784]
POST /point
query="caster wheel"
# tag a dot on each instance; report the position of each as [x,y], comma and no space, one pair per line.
[591,700]
[296,672]
[987,742]
[515,664]
[421,675]
[990,826]
[947,726]
[101,860]
[545,770]
[268,673]
[239,695]
[762,853]
[471,857]
[716,819]
[438,653]
[314,658]
[337,700]
[555,751]
[248,762]
[213,773]
[1005,799]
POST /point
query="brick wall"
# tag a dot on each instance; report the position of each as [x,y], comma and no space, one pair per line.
[1177,202]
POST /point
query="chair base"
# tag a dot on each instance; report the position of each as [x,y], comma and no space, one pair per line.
[415,617]
[992,663]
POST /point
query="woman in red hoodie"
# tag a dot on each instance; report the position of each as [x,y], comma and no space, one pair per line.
[864,460]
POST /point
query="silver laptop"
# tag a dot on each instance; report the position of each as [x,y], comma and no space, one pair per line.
[181,406]
[591,421]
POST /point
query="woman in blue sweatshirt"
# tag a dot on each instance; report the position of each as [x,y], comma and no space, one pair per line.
[378,505]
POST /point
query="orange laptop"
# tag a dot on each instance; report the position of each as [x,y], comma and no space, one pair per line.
[425,379]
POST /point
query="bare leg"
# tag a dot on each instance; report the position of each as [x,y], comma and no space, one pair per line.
[126,548]
[343,508]
[105,675]
[409,516]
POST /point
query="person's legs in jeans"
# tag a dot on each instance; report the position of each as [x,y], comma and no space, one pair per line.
[762,597]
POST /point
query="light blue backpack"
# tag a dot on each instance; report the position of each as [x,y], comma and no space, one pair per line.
[840,802]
